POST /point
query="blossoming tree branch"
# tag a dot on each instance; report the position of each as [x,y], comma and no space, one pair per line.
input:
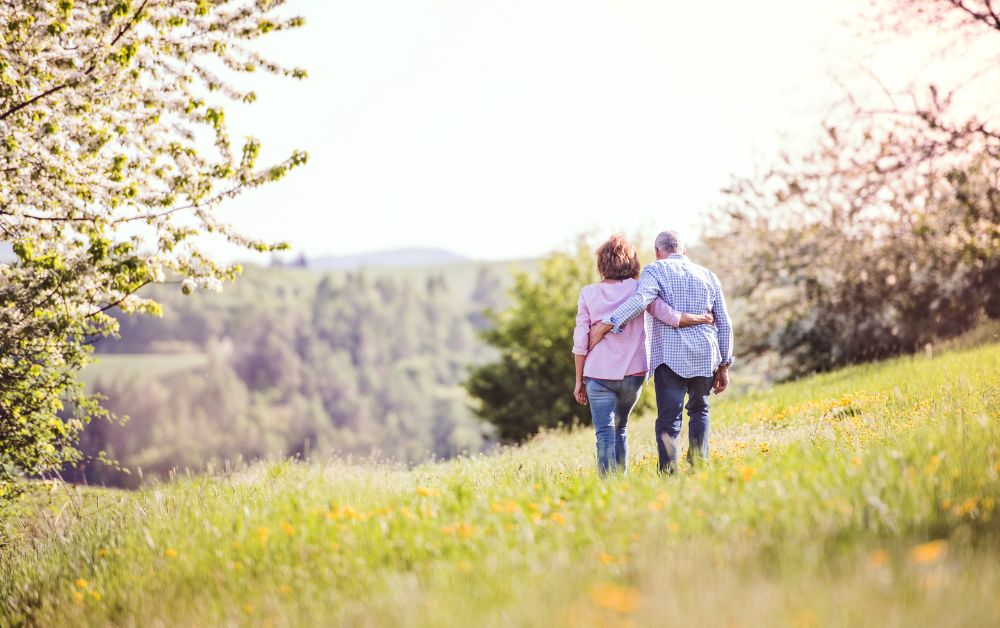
[109,184]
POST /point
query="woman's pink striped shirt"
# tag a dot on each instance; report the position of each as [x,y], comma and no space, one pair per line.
[617,355]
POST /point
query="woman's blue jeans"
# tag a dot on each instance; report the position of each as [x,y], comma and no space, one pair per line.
[611,401]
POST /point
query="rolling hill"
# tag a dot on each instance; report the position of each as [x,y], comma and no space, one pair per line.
[863,497]
[393,258]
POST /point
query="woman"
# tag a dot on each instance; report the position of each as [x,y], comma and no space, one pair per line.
[610,376]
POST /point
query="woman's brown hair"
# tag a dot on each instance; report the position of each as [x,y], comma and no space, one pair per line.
[617,259]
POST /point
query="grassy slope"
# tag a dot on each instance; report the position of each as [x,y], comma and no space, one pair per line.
[866,496]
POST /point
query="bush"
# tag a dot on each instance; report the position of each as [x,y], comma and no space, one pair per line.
[834,277]
[531,385]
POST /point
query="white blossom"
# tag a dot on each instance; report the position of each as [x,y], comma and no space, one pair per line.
[105,184]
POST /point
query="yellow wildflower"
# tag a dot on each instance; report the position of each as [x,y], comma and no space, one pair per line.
[746,473]
[262,533]
[508,506]
[805,618]
[879,558]
[465,530]
[929,552]
[96,595]
[606,558]
[932,464]
[557,518]
[287,528]
[966,507]
[349,513]
[248,608]
[80,583]
[423,491]
[170,552]
[78,597]
[616,598]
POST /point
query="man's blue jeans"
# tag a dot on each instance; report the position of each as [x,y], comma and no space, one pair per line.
[611,401]
[670,391]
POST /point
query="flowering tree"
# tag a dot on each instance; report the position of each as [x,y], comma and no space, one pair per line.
[115,153]
[884,237]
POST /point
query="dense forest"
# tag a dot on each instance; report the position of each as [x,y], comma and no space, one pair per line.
[292,362]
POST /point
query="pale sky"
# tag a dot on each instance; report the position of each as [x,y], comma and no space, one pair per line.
[503,129]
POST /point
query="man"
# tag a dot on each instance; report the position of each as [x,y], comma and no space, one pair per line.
[692,361]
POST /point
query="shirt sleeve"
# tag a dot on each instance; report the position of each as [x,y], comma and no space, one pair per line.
[581,333]
[647,290]
[723,323]
[661,310]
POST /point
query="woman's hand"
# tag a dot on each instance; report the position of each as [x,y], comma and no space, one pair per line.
[580,393]
[687,320]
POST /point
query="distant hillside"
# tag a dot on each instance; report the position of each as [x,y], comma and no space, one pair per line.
[390,258]
[293,361]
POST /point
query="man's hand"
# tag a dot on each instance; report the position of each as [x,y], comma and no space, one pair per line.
[597,332]
[580,393]
[687,320]
[721,380]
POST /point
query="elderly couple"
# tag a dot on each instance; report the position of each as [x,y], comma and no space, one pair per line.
[685,342]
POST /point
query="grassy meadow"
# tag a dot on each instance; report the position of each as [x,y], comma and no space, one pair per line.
[154,365]
[866,496]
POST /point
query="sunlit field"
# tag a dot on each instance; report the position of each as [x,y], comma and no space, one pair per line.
[866,496]
[141,365]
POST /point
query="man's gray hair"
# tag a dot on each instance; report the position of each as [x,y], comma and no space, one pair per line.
[668,242]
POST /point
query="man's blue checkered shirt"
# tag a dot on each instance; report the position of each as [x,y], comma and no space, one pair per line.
[695,351]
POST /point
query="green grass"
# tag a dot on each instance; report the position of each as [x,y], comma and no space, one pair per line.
[867,496]
[110,366]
